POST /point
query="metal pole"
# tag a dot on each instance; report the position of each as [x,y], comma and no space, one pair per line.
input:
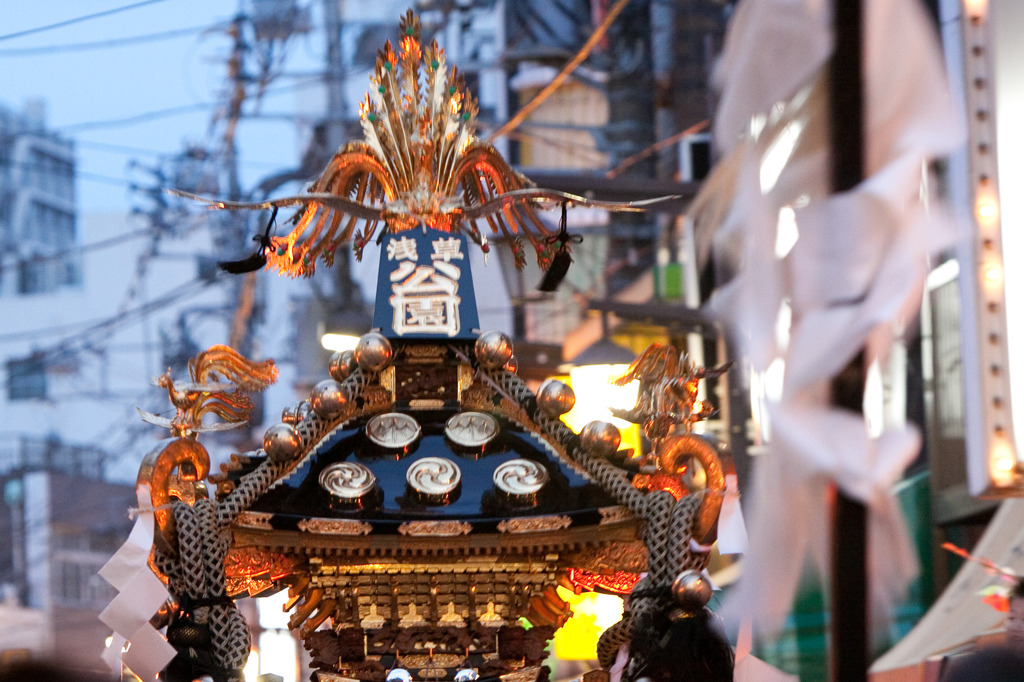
[849,607]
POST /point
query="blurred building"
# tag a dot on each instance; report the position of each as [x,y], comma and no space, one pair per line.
[57,528]
[38,227]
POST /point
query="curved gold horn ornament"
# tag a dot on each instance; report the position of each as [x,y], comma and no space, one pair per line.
[675,449]
[167,466]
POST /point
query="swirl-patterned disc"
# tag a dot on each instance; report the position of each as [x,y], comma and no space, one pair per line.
[347,481]
[433,476]
[520,477]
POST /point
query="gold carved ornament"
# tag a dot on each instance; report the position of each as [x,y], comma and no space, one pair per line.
[667,408]
[219,379]
[419,163]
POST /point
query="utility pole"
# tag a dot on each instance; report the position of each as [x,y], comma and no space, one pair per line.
[334,77]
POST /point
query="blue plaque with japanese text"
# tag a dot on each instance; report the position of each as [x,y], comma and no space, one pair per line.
[425,286]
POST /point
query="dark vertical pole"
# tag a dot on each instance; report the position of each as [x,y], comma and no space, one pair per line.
[849,598]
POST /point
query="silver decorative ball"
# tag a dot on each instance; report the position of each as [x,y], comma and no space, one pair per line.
[399,675]
[600,439]
[512,365]
[555,398]
[493,349]
[281,442]
[373,352]
[691,590]
[342,364]
[290,415]
[467,675]
[328,398]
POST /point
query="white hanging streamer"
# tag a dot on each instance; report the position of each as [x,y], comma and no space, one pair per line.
[851,278]
[140,595]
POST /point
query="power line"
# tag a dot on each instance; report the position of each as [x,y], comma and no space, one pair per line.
[138,118]
[174,111]
[78,341]
[570,66]
[68,22]
[100,44]
[75,250]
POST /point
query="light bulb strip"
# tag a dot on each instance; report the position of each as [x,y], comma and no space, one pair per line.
[997,446]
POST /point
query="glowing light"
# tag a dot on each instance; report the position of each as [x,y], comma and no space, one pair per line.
[251,671]
[336,342]
[1002,463]
[279,654]
[595,393]
[994,273]
[593,613]
[986,208]
[976,8]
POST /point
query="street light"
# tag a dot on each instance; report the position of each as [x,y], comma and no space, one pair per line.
[342,329]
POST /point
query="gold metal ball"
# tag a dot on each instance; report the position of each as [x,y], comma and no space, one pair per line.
[600,438]
[281,442]
[691,590]
[373,352]
[328,398]
[493,349]
[512,365]
[342,364]
[290,415]
[555,398]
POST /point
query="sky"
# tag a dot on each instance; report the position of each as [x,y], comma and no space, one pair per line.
[136,100]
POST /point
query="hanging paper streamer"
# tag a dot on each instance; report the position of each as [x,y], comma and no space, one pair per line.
[840,273]
[140,595]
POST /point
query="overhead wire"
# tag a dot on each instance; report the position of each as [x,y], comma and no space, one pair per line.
[86,17]
[75,250]
[100,44]
[566,71]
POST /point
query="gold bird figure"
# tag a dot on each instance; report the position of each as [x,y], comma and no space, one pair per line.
[220,379]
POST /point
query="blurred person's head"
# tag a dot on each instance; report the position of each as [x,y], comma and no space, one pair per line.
[991,664]
[30,670]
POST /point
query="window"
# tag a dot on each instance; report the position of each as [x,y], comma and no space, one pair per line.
[26,378]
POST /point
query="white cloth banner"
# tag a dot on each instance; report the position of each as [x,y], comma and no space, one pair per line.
[848,273]
[140,595]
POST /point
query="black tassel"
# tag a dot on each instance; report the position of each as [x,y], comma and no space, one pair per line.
[255,261]
[688,648]
[562,259]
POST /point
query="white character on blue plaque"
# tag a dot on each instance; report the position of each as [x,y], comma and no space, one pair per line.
[425,298]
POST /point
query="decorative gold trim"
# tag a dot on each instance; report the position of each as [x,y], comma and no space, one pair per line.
[414,617]
[533,524]
[425,404]
[324,676]
[251,519]
[335,527]
[432,663]
[490,617]
[377,399]
[372,620]
[465,374]
[614,514]
[451,617]
[387,380]
[524,675]
[435,528]
[427,353]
